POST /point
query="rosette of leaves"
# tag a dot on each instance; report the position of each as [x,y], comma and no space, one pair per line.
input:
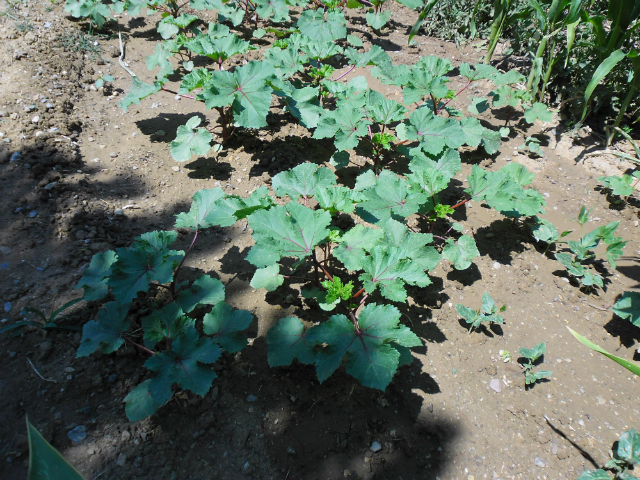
[179,354]
[530,358]
[624,457]
[373,345]
[488,313]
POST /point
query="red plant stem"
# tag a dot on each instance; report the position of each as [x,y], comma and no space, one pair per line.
[317,264]
[175,273]
[457,93]
[459,204]
[346,73]
[358,293]
[176,93]
[144,349]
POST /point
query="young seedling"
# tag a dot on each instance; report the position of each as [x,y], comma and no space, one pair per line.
[102,80]
[626,455]
[531,355]
[45,322]
[486,314]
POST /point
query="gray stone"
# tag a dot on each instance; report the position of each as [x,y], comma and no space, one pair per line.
[495,385]
[78,434]
[375,447]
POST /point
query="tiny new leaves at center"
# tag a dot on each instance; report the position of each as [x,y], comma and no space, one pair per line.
[191,141]
[302,180]
[533,354]
[337,290]
[289,340]
[370,357]
[183,364]
[225,325]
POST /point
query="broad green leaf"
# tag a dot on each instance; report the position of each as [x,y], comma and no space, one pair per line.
[204,210]
[169,26]
[319,50]
[313,24]
[346,124]
[478,106]
[334,199]
[538,111]
[197,78]
[268,278]
[374,56]
[628,307]
[355,41]
[618,185]
[218,47]
[573,267]
[289,340]
[246,90]
[304,105]
[184,365]
[137,266]
[518,173]
[413,245]
[389,268]
[632,367]
[377,20]
[140,403]
[160,58]
[166,323]
[292,230]
[423,83]
[390,74]
[433,176]
[137,92]
[204,291]
[191,141]
[629,447]
[434,132]
[479,71]
[105,333]
[488,305]
[94,277]
[544,231]
[45,462]
[302,181]
[355,243]
[534,353]
[589,278]
[470,315]
[390,197]
[387,112]
[503,96]
[370,358]
[226,326]
[286,62]
[275,10]
[510,78]
[461,253]
[98,11]
[533,376]
[476,134]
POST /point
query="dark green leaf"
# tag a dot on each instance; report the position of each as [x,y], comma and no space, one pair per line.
[166,323]
[105,333]
[140,403]
[268,278]
[45,462]
[287,341]
[204,291]
[461,253]
[191,141]
[226,326]
[302,181]
[628,307]
[94,278]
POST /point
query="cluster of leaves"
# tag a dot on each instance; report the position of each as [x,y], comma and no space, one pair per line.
[383,259]
[182,343]
[580,261]
[488,313]
[624,457]
[530,358]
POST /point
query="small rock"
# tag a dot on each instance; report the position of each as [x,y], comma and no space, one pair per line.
[490,235]
[33,213]
[7,307]
[539,463]
[78,434]
[35,119]
[112,378]
[291,450]
[496,265]
[252,398]
[495,385]
[49,186]
[122,459]
[175,169]
[247,468]
[15,157]
[113,154]
[126,436]
[5,250]
[290,298]
[118,211]
[375,447]
[69,370]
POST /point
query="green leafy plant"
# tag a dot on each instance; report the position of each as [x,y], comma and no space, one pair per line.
[579,260]
[628,307]
[488,313]
[167,332]
[531,356]
[622,186]
[625,456]
[100,82]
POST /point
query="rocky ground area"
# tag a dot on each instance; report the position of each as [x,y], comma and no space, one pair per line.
[79,176]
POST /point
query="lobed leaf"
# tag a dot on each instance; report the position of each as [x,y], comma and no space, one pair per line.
[288,340]
[105,333]
[226,326]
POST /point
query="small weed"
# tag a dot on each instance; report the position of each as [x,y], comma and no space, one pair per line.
[77,41]
[531,355]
